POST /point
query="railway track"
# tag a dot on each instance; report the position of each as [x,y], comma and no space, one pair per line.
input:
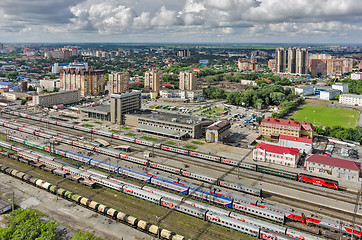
[256,176]
[243,173]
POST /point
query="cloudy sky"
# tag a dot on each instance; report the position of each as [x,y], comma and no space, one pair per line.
[195,21]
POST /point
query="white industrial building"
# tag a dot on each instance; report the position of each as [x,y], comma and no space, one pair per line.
[50,99]
[356,76]
[305,90]
[341,87]
[303,144]
[350,99]
[329,94]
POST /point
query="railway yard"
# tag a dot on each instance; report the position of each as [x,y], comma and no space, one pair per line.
[228,192]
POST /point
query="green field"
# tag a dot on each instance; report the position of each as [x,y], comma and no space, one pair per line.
[327,116]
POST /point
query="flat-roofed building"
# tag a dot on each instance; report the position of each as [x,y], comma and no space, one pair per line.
[276,126]
[329,94]
[187,80]
[341,87]
[101,112]
[350,99]
[50,99]
[218,131]
[275,154]
[124,103]
[305,90]
[5,205]
[168,124]
[336,167]
[303,144]
[118,82]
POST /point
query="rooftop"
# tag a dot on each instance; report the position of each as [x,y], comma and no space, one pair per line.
[292,123]
[170,117]
[336,162]
[218,125]
[104,109]
[352,95]
[296,139]
[124,95]
[277,149]
[7,83]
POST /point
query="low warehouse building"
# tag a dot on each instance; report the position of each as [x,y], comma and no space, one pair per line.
[5,205]
[218,131]
[303,144]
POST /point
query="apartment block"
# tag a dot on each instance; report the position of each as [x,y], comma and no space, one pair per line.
[153,81]
[89,82]
[187,80]
[118,82]
[331,67]
[280,60]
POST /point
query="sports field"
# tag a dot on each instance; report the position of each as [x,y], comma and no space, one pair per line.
[327,116]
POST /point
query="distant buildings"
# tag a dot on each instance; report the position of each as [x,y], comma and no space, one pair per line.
[276,154]
[124,103]
[187,80]
[51,99]
[273,127]
[248,64]
[271,65]
[49,84]
[183,53]
[350,99]
[331,67]
[280,60]
[153,81]
[356,76]
[56,67]
[90,83]
[118,82]
[335,167]
[64,52]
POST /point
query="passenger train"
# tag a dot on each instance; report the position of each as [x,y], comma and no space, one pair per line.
[249,166]
[237,203]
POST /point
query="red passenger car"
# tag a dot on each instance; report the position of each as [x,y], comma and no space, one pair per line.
[318,181]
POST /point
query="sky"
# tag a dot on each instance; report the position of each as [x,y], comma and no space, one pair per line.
[181,21]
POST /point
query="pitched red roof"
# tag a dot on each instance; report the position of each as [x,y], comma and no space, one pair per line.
[277,149]
[336,162]
[285,123]
[296,139]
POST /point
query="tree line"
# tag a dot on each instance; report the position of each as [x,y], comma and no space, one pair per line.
[352,134]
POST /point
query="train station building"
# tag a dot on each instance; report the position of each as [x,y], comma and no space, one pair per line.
[168,124]
[274,127]
[276,154]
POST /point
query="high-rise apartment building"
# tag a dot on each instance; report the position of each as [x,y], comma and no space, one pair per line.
[280,60]
[89,82]
[248,64]
[297,60]
[292,60]
[183,53]
[187,80]
[153,81]
[118,82]
[301,61]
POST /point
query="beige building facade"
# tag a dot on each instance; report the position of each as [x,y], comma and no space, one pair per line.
[118,82]
[153,81]
[187,80]
[124,103]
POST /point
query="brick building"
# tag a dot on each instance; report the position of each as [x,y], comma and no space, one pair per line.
[276,154]
[273,127]
[89,82]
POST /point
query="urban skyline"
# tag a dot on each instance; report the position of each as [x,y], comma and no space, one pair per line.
[194,21]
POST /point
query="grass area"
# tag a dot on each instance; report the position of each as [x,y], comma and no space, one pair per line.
[190,147]
[131,134]
[150,138]
[218,109]
[170,143]
[88,125]
[198,143]
[98,122]
[327,116]
[190,227]
[114,131]
[125,128]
